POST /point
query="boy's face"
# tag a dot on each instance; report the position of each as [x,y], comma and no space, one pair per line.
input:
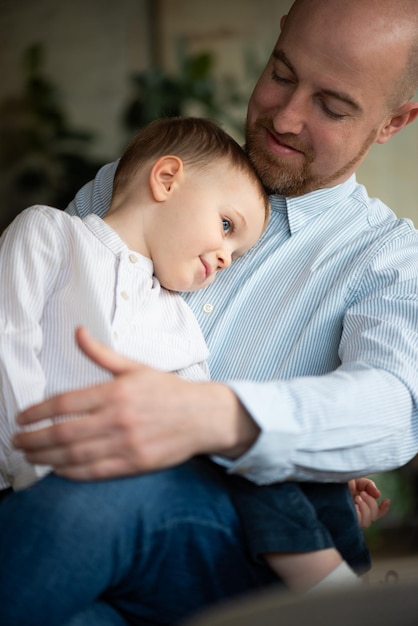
[215,215]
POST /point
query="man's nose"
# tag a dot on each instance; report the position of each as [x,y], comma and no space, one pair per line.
[290,115]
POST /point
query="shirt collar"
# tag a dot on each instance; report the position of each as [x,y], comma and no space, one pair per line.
[113,242]
[302,209]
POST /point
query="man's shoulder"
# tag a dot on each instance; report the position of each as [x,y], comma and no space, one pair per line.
[94,196]
[379,215]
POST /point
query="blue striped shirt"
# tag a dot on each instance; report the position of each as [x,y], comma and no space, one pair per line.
[316,330]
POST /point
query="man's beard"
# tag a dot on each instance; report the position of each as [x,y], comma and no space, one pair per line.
[289,179]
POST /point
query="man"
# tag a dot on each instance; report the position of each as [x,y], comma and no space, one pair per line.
[316,327]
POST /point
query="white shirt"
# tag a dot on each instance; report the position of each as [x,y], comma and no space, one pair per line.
[316,330]
[59,272]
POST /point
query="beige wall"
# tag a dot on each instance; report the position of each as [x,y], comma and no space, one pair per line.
[91,47]
[94,46]
[390,172]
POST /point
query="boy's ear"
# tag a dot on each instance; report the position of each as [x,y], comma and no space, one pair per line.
[165,173]
[405,115]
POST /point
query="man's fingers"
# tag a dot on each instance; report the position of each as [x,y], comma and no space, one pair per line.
[102,355]
[80,426]
[81,448]
[71,402]
[79,453]
[97,470]
[83,401]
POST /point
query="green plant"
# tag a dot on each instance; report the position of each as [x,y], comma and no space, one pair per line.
[157,93]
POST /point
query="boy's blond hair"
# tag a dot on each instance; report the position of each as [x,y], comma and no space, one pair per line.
[197,141]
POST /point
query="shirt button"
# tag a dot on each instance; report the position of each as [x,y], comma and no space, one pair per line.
[115,335]
[208,307]
[124,295]
[133,258]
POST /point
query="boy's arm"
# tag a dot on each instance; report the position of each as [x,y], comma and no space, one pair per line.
[27,263]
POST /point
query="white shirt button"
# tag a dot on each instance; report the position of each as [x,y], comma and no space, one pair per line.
[124,295]
[133,258]
[208,307]
[115,335]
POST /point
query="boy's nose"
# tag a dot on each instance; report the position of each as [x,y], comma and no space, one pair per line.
[224,259]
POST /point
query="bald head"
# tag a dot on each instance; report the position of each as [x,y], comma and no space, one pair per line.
[388,28]
[339,79]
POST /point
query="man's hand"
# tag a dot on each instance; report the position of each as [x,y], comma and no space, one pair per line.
[140,421]
[366,495]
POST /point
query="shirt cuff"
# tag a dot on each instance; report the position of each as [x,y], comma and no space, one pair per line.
[268,460]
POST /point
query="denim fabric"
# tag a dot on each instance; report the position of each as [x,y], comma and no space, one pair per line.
[155,548]
[300,517]
[4,493]
[98,614]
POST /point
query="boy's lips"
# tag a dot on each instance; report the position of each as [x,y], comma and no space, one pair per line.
[207,268]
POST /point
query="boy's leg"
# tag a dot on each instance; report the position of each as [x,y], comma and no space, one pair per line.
[303,540]
[335,509]
[155,548]
[278,518]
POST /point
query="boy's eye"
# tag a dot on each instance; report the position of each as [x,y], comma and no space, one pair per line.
[227,226]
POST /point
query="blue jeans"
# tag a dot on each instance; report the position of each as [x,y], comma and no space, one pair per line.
[147,550]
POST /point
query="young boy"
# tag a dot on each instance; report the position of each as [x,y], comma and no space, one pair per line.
[186,202]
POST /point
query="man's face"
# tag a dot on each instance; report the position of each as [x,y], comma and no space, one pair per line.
[318,106]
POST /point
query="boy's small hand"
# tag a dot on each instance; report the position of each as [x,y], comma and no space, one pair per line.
[366,494]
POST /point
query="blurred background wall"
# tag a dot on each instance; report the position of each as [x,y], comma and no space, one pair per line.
[79,76]
[76,75]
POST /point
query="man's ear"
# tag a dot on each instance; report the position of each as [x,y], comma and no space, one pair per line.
[405,115]
[165,173]
[282,21]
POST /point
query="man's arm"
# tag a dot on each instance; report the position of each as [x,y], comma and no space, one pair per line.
[349,423]
[113,443]
[145,420]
